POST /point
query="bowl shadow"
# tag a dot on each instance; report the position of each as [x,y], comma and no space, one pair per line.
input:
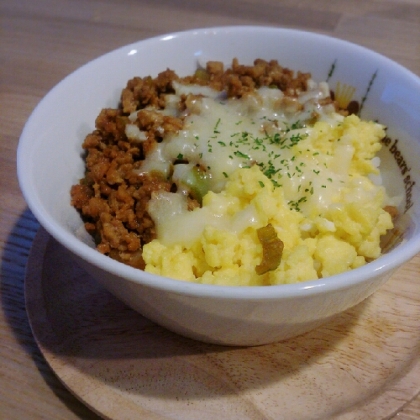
[12,274]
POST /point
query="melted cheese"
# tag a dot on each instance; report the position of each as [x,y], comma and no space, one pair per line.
[301,147]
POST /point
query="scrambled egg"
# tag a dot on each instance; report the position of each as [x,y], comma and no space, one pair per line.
[330,216]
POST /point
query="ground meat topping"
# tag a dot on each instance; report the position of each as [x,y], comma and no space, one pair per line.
[113,195]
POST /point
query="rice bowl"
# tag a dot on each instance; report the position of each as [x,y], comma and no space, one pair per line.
[218,314]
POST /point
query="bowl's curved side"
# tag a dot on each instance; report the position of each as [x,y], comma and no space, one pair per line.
[230,321]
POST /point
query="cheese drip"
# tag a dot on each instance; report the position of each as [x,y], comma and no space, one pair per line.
[302,147]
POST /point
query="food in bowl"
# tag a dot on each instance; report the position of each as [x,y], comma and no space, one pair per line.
[247,176]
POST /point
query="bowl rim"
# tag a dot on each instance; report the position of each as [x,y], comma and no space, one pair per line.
[381,266]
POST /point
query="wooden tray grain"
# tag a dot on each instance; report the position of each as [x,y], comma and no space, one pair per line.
[363,365]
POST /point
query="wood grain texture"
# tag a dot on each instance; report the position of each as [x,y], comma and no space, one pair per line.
[43,41]
[364,364]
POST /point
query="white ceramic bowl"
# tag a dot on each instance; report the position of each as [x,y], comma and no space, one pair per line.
[49,163]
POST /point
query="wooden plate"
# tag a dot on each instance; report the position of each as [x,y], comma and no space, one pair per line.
[363,365]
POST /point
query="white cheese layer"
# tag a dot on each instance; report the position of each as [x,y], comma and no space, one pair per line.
[265,129]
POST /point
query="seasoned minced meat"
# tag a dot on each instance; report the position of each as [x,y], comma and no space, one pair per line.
[113,195]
